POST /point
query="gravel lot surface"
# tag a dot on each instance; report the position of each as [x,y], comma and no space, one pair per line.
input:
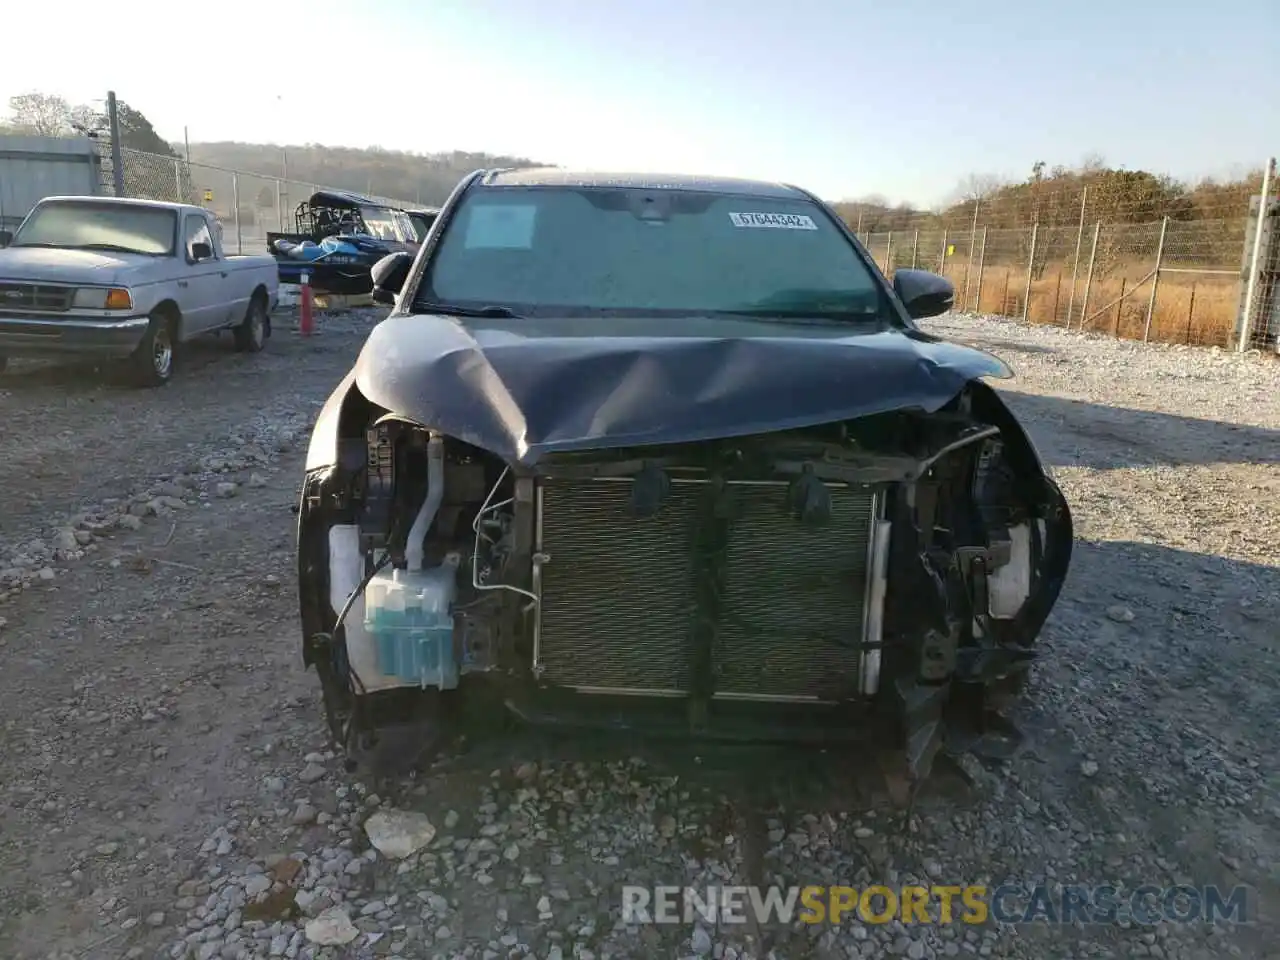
[165,789]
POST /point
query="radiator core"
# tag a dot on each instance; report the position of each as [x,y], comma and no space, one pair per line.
[617,609]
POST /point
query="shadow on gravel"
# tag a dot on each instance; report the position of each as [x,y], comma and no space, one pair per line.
[755,778]
[1203,628]
[1076,433]
[1162,665]
[78,376]
[1202,624]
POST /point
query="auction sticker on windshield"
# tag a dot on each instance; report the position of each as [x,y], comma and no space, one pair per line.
[775,221]
[502,226]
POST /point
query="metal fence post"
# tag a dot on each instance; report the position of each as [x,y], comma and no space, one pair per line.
[1075,264]
[973,235]
[1031,268]
[982,263]
[279,206]
[117,158]
[1155,279]
[858,230]
[942,255]
[1255,259]
[177,180]
[888,255]
[915,248]
[1088,280]
[235,199]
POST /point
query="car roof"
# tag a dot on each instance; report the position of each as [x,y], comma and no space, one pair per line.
[124,201]
[338,198]
[557,177]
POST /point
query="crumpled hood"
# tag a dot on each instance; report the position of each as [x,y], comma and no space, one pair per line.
[37,264]
[522,389]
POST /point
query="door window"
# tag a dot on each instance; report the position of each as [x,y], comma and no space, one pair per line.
[196,230]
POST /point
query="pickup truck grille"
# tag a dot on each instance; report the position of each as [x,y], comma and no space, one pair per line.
[33,296]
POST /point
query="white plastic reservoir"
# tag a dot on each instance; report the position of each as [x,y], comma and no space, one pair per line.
[409,616]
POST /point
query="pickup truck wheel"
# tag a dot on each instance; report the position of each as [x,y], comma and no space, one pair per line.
[251,334]
[153,360]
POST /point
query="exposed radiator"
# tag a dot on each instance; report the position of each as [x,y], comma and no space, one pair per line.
[617,611]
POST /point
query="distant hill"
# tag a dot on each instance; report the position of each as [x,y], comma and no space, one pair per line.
[415,178]
[1207,218]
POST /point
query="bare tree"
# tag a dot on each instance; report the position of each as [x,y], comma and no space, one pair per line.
[42,114]
[978,186]
[1092,163]
[872,200]
[865,212]
[87,121]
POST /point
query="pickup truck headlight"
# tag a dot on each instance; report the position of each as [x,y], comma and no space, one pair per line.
[102,298]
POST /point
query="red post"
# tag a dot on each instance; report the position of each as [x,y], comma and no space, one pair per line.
[306,323]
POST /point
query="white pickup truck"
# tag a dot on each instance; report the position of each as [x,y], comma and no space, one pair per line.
[131,279]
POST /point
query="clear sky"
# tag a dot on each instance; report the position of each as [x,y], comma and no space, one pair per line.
[900,98]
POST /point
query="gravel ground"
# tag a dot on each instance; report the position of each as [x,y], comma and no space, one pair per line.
[166,791]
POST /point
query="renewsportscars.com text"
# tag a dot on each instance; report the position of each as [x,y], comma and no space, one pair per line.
[939,904]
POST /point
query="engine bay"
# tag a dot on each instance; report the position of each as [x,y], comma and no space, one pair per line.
[870,564]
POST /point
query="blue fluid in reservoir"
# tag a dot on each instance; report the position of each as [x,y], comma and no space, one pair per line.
[409,615]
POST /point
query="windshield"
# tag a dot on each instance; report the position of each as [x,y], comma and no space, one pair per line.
[386,224]
[408,232]
[99,226]
[422,224]
[654,252]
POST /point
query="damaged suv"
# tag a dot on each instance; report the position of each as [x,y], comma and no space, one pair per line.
[670,454]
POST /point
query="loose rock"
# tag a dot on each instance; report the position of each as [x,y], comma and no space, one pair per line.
[399,833]
[333,927]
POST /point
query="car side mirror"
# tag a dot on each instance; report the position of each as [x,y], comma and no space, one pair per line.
[6,238]
[201,251]
[389,275]
[924,294]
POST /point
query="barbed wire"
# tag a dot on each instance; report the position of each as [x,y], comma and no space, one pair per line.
[879,220]
[1113,198]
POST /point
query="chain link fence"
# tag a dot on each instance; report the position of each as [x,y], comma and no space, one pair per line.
[1171,280]
[1260,305]
[1191,278]
[1167,281]
[248,205]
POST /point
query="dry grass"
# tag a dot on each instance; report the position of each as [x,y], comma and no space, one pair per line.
[1189,308]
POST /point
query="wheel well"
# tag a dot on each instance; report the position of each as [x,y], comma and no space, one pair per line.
[172,314]
[260,296]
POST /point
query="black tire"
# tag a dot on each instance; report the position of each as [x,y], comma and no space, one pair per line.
[251,333]
[152,362]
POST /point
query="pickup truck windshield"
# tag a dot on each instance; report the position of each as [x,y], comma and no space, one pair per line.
[387,224]
[99,226]
[631,252]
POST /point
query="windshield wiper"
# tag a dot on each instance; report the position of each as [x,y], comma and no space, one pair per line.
[799,316]
[451,310]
